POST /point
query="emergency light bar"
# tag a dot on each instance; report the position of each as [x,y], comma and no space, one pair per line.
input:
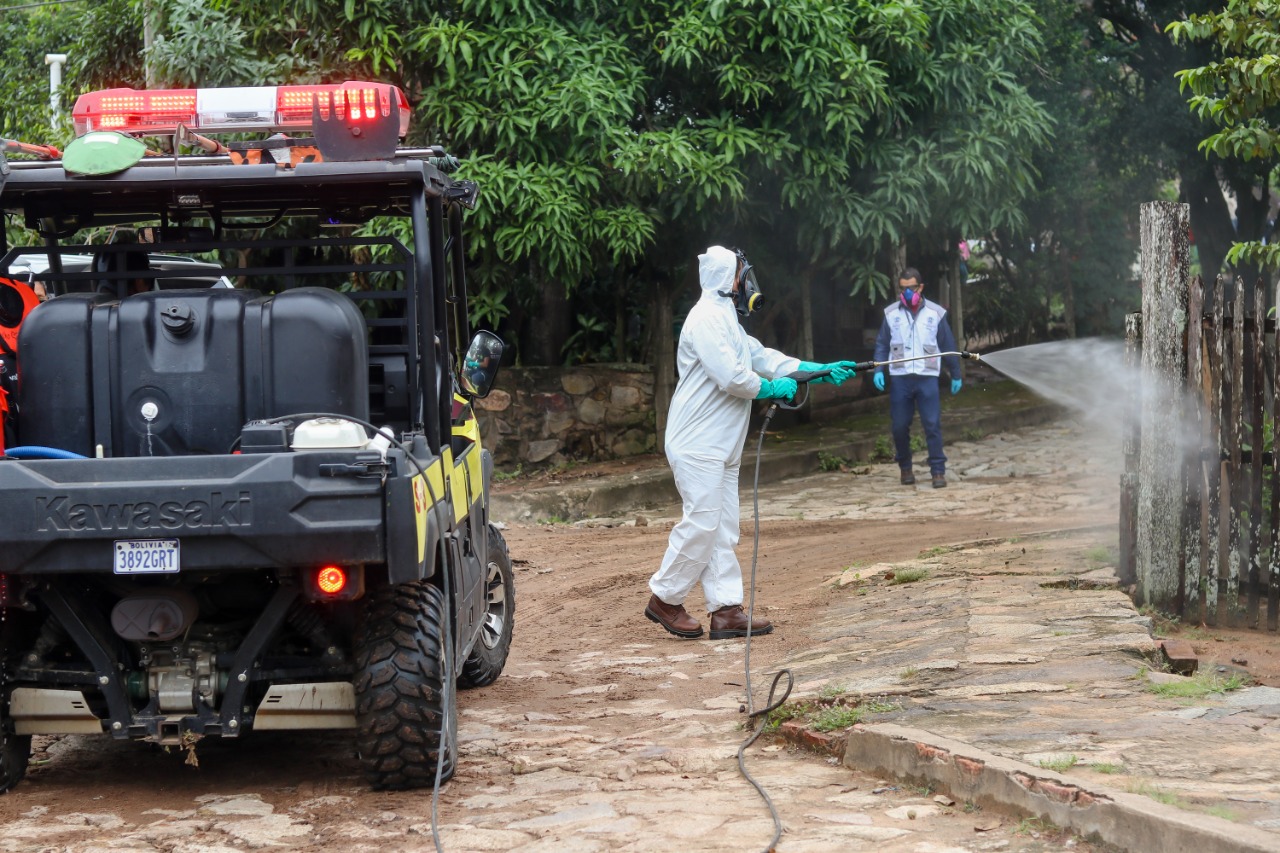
[233,110]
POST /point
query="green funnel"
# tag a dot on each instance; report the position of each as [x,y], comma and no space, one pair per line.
[102,152]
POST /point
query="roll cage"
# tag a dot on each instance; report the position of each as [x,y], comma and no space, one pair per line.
[204,204]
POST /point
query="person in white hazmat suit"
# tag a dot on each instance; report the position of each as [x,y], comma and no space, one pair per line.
[722,369]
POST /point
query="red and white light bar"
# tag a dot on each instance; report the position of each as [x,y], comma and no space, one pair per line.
[235,110]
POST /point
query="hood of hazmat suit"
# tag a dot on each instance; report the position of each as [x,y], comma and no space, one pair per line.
[720,367]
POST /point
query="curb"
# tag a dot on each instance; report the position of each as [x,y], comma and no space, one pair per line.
[1129,821]
[610,496]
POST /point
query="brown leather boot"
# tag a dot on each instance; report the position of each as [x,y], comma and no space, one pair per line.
[731,621]
[673,617]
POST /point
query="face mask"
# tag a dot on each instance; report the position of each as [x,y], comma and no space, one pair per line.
[746,295]
[911,299]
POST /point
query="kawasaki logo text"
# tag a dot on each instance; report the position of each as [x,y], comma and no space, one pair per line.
[59,513]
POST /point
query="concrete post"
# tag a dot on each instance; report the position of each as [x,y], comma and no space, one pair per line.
[1165,267]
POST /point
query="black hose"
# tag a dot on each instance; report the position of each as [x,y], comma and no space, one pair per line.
[772,704]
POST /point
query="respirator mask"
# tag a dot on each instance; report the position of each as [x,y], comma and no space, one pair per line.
[746,294]
[911,298]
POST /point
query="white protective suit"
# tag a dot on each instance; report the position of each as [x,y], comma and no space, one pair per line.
[719,365]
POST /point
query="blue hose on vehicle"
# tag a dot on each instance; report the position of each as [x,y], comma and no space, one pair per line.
[35,451]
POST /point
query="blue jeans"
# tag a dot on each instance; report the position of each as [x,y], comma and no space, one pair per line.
[907,393]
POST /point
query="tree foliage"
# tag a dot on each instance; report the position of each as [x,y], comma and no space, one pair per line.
[1068,270]
[824,138]
[1239,91]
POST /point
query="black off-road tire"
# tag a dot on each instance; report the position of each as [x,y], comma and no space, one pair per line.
[489,655]
[400,688]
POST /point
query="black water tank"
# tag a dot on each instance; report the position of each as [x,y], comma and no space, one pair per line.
[180,372]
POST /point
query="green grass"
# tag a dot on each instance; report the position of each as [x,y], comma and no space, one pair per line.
[935,551]
[789,711]
[504,476]
[883,451]
[1028,825]
[877,706]
[908,673]
[1098,554]
[1160,795]
[973,433]
[1198,686]
[832,691]
[1162,624]
[908,576]
[1060,764]
[1222,812]
[1106,767]
[829,713]
[834,717]
[831,462]
[554,519]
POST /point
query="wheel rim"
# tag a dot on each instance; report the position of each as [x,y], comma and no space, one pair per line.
[495,617]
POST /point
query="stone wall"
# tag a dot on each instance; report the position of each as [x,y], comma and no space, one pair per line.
[549,415]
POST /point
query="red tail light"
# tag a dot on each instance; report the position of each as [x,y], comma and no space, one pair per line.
[331,580]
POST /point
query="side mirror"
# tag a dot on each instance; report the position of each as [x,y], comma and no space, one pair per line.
[480,364]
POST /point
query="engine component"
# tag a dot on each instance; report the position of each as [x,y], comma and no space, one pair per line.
[154,615]
[175,677]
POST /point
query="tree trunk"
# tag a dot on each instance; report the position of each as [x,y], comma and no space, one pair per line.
[1068,298]
[1210,218]
[620,348]
[805,349]
[898,261]
[662,335]
[1165,266]
[550,329]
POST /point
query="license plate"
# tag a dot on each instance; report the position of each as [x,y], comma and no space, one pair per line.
[146,556]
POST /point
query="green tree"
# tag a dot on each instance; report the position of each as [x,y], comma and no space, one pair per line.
[1229,199]
[826,138]
[1239,91]
[25,38]
[1068,271]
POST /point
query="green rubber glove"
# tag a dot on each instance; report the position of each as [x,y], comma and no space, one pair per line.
[776,389]
[841,371]
[955,386]
[878,381]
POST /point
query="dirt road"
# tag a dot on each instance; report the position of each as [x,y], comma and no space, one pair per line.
[605,733]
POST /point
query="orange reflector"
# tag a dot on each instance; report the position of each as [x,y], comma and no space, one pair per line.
[331,580]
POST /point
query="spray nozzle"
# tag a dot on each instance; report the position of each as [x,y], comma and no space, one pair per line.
[972,356]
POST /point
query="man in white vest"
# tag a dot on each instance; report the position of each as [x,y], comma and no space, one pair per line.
[913,327]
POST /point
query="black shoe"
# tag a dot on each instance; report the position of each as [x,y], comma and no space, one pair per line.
[908,478]
[939,481]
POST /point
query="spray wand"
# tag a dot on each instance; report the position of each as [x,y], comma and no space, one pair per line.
[872,365]
[804,377]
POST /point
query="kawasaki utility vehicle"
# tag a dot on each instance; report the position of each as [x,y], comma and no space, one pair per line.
[252,499]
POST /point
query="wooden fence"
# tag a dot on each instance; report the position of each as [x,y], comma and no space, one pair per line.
[1200,501]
